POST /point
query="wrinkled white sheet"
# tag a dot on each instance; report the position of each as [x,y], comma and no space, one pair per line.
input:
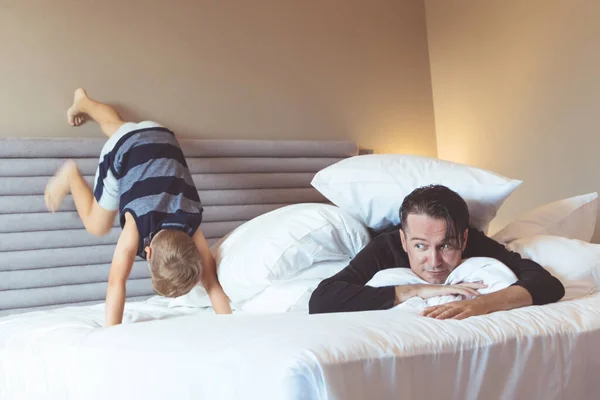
[549,352]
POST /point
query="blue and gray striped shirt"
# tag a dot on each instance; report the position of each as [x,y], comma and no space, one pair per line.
[142,171]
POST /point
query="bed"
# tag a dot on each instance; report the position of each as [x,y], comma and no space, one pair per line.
[52,283]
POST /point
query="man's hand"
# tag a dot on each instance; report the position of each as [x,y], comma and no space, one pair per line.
[505,299]
[457,309]
[427,291]
[467,290]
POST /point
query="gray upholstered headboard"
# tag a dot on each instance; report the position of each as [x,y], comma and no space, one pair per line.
[49,260]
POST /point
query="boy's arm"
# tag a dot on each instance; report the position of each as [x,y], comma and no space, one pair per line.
[210,281]
[122,261]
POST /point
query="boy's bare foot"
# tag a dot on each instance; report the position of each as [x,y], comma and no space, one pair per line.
[58,186]
[75,116]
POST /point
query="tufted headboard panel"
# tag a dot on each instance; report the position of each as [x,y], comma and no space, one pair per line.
[49,260]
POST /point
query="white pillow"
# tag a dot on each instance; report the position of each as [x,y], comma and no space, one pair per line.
[195,298]
[573,218]
[372,187]
[574,262]
[280,244]
[490,271]
[292,294]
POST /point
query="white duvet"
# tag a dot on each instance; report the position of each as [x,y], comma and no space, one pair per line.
[546,352]
[533,353]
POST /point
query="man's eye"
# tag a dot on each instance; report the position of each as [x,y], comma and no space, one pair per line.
[420,246]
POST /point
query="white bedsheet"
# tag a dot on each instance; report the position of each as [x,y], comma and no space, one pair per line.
[549,352]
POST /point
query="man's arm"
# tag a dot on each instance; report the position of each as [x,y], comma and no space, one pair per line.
[535,285]
[346,291]
[429,290]
[505,299]
[120,269]
[210,281]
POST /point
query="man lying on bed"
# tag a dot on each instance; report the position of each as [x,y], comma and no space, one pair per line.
[433,239]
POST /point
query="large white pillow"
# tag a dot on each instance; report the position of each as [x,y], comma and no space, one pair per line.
[489,271]
[195,298]
[573,218]
[372,187]
[282,243]
[292,295]
[574,262]
[280,296]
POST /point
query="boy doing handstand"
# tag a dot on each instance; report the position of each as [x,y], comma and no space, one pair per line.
[143,176]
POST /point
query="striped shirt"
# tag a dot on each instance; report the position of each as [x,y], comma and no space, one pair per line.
[142,171]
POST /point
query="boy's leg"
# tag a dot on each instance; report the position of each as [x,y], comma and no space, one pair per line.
[83,106]
[97,220]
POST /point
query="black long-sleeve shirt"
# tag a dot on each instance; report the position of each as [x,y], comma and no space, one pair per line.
[346,291]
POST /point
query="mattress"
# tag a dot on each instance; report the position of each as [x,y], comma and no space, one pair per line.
[163,352]
[544,352]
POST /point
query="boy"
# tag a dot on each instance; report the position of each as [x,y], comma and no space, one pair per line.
[142,175]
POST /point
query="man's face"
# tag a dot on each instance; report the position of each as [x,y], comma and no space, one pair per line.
[432,256]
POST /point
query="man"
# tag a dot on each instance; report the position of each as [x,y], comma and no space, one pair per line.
[433,239]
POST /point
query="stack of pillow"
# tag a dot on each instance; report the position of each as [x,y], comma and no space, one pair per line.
[273,262]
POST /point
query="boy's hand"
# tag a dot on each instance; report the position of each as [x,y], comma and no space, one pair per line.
[123,258]
[218,298]
[210,281]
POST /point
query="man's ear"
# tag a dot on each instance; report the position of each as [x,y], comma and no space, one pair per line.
[465,238]
[148,251]
[403,240]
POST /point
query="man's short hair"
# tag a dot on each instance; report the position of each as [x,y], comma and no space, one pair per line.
[175,263]
[438,202]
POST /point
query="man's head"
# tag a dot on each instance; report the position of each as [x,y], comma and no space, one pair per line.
[434,231]
[175,263]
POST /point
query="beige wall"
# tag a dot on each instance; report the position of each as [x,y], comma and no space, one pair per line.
[281,69]
[516,88]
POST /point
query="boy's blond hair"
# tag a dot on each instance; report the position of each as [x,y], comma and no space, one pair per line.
[175,263]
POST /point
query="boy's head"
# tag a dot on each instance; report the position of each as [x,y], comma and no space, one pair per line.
[175,263]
